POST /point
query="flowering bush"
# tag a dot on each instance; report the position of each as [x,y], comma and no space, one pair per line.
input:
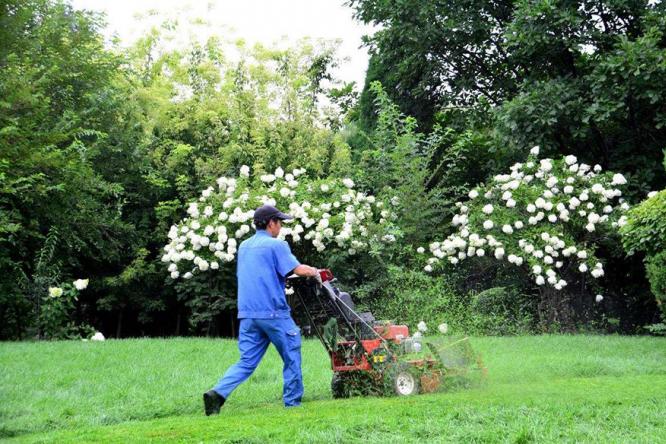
[328,213]
[57,308]
[543,216]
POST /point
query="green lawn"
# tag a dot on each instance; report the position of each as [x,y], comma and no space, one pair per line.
[539,389]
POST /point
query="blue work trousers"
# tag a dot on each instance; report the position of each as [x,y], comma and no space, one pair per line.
[253,339]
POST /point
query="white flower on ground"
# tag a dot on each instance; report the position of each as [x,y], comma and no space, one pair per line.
[488,224]
[98,337]
[348,182]
[443,328]
[427,268]
[535,150]
[55,292]
[599,298]
[422,327]
[473,194]
[488,209]
[81,284]
[279,172]
[507,229]
[540,280]
[245,171]
[651,194]
[420,250]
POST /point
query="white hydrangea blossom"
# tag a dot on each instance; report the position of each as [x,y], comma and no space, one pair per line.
[551,238]
[342,218]
[81,284]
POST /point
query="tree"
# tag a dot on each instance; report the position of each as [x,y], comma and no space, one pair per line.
[57,92]
[581,78]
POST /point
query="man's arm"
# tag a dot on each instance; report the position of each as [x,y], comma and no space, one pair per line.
[305,270]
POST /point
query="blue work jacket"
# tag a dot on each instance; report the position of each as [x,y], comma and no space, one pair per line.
[263,265]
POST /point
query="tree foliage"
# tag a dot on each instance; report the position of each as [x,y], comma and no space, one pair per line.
[580,78]
[102,147]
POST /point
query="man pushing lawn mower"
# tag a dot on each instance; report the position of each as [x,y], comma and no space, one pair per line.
[264,262]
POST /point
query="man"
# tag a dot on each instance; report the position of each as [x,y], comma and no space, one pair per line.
[264,262]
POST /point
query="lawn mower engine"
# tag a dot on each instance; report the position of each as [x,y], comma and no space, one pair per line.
[367,356]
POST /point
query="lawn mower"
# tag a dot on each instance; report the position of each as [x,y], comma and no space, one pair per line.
[370,356]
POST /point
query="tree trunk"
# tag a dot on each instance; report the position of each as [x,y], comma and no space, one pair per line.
[119,325]
[555,310]
[178,323]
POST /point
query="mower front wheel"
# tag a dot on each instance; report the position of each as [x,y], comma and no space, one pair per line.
[404,381]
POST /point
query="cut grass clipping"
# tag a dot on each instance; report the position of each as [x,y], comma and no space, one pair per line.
[538,389]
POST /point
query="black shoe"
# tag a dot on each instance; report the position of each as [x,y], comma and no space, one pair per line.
[213,401]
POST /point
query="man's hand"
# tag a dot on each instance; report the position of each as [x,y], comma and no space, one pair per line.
[307,271]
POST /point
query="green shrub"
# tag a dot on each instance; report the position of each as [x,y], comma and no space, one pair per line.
[645,232]
[656,273]
[500,311]
[409,296]
[646,226]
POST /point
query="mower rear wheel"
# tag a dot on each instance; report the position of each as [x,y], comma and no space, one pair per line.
[404,381]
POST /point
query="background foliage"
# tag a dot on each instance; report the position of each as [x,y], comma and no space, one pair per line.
[102,147]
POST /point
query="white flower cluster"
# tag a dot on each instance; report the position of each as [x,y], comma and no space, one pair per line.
[534,216]
[81,284]
[331,214]
[55,292]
